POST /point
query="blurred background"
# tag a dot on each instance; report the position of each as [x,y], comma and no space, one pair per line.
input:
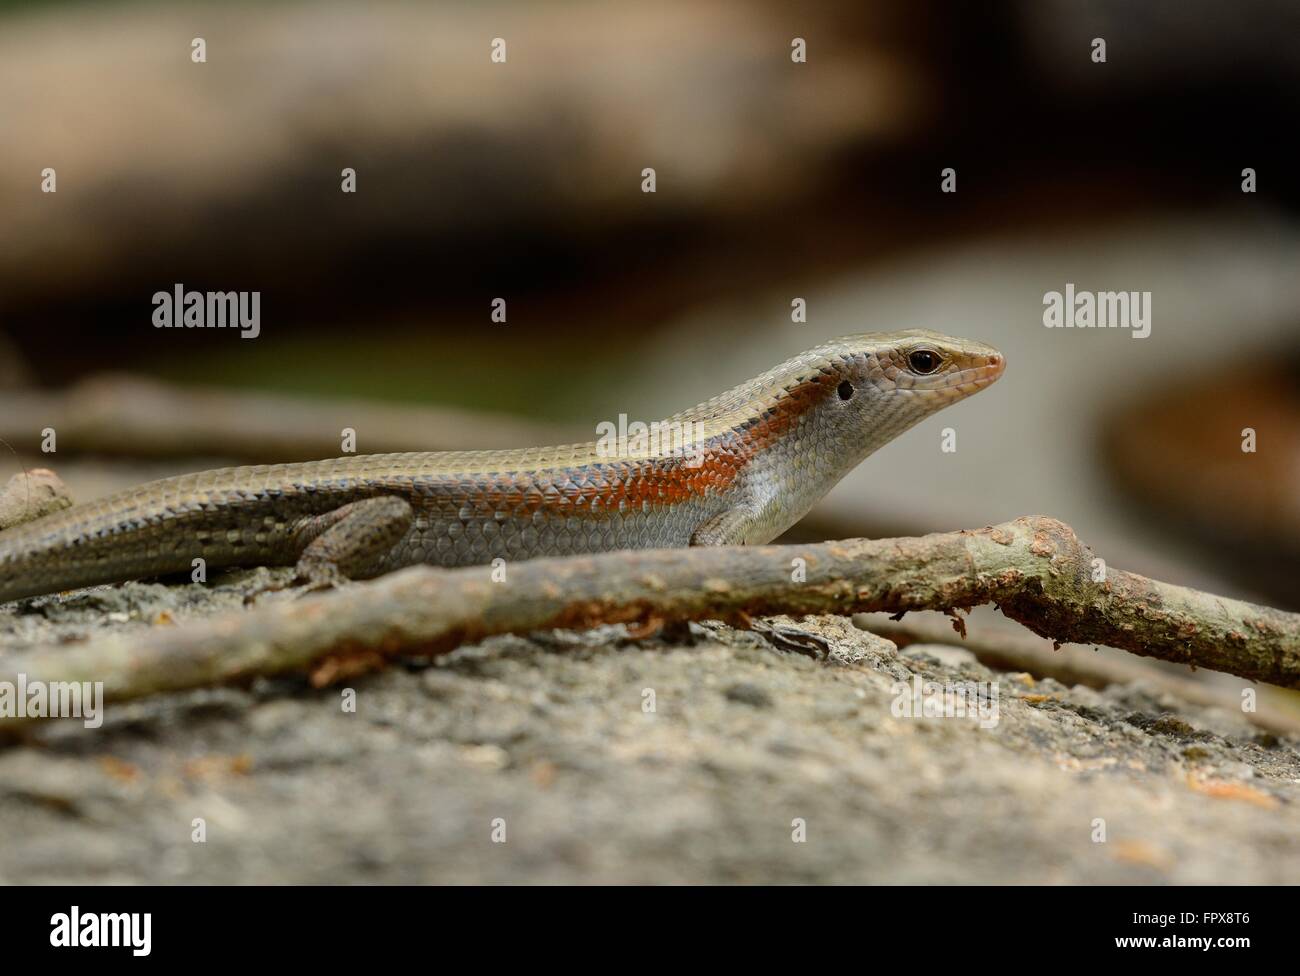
[776,180]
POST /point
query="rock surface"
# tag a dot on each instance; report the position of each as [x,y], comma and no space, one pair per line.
[552,740]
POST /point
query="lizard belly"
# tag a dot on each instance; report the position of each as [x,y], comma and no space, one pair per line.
[448,534]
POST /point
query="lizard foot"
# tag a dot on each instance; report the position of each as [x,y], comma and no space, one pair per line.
[319,579]
[259,582]
[793,639]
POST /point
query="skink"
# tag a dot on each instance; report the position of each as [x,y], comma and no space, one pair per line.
[759,457]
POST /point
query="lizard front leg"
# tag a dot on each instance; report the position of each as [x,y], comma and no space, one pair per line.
[724,529]
[729,529]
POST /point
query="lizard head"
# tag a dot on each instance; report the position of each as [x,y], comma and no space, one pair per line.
[803,425]
[925,366]
[837,403]
[885,383]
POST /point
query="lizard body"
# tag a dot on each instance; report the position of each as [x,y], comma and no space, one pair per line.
[767,450]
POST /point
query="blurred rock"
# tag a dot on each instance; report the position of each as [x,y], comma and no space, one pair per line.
[229,171]
[1177,449]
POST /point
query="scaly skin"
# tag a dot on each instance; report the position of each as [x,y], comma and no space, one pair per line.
[769,449]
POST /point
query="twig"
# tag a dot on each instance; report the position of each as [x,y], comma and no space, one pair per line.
[1005,648]
[1035,569]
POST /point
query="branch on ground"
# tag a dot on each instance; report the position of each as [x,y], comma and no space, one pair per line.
[1034,569]
[1006,647]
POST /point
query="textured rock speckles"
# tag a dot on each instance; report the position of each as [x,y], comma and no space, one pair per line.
[651,761]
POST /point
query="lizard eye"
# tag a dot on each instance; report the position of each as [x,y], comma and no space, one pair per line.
[923,361]
[845,390]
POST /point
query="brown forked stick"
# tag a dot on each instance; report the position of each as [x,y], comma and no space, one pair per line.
[1035,569]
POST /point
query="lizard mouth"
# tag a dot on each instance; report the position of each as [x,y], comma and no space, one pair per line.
[994,366]
[972,379]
